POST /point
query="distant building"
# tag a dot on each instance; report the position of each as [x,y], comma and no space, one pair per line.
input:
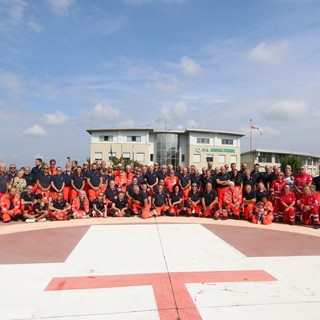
[147,145]
[272,157]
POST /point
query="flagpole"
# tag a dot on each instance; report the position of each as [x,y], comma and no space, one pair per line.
[251,140]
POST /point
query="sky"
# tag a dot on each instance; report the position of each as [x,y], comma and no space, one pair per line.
[71,65]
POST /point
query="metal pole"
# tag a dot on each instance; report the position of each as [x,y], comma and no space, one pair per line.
[251,155]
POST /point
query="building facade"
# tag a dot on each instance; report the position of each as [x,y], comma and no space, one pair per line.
[273,157]
[146,145]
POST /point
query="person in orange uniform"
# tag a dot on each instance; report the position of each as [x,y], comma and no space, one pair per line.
[129,174]
[67,177]
[248,202]
[121,180]
[232,200]
[140,203]
[52,168]
[301,180]
[80,206]
[94,181]
[210,202]
[160,200]
[288,202]
[175,200]
[171,180]
[276,191]
[59,208]
[10,206]
[78,182]
[185,183]
[194,203]
[44,183]
[222,183]
[309,206]
[57,183]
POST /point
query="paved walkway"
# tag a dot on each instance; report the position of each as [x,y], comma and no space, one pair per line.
[166,268]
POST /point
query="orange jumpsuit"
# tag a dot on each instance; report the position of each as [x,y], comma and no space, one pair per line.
[10,207]
[233,200]
[77,212]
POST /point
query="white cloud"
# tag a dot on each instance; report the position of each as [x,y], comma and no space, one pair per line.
[192,124]
[11,82]
[15,9]
[287,110]
[55,118]
[180,109]
[105,113]
[34,26]
[60,6]
[176,115]
[35,131]
[189,66]
[139,2]
[171,86]
[126,124]
[271,54]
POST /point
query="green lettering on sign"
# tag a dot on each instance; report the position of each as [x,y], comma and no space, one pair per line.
[199,150]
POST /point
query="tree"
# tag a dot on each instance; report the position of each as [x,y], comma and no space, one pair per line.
[124,162]
[293,161]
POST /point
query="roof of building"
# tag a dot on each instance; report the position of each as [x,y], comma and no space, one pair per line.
[291,152]
[90,131]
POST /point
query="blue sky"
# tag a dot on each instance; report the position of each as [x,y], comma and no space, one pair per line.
[70,65]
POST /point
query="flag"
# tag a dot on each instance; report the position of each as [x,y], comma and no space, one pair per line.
[110,153]
[121,156]
[256,127]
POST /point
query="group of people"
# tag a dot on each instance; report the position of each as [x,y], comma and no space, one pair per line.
[48,192]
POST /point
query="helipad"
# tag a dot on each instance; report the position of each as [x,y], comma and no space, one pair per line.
[166,268]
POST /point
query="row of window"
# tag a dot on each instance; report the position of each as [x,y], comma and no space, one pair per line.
[129,138]
[197,158]
[207,141]
[138,139]
[138,156]
[267,157]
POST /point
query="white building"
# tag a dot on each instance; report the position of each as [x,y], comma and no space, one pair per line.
[147,145]
[272,157]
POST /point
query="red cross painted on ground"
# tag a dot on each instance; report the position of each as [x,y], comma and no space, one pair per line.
[172,297]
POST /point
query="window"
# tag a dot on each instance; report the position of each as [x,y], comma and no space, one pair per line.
[183,158]
[222,158]
[126,155]
[151,156]
[265,157]
[98,156]
[106,138]
[197,158]
[167,146]
[203,140]
[233,159]
[134,138]
[227,141]
[140,156]
[209,158]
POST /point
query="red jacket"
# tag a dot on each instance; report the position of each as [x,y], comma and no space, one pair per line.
[5,202]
